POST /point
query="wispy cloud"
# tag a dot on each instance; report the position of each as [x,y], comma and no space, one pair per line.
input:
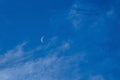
[81,13]
[92,14]
[15,53]
[49,67]
[96,77]
[74,16]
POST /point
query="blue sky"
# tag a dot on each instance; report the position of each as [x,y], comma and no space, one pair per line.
[59,40]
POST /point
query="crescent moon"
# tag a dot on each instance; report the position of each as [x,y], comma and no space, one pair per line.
[42,39]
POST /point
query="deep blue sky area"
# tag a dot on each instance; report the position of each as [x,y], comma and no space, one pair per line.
[24,20]
[59,39]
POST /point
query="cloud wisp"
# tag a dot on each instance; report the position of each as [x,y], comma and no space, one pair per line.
[16,64]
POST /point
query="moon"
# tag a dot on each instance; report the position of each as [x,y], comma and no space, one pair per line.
[42,39]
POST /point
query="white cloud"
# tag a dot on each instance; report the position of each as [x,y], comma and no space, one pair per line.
[33,70]
[15,53]
[110,12]
[82,14]
[96,77]
[74,16]
[49,67]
